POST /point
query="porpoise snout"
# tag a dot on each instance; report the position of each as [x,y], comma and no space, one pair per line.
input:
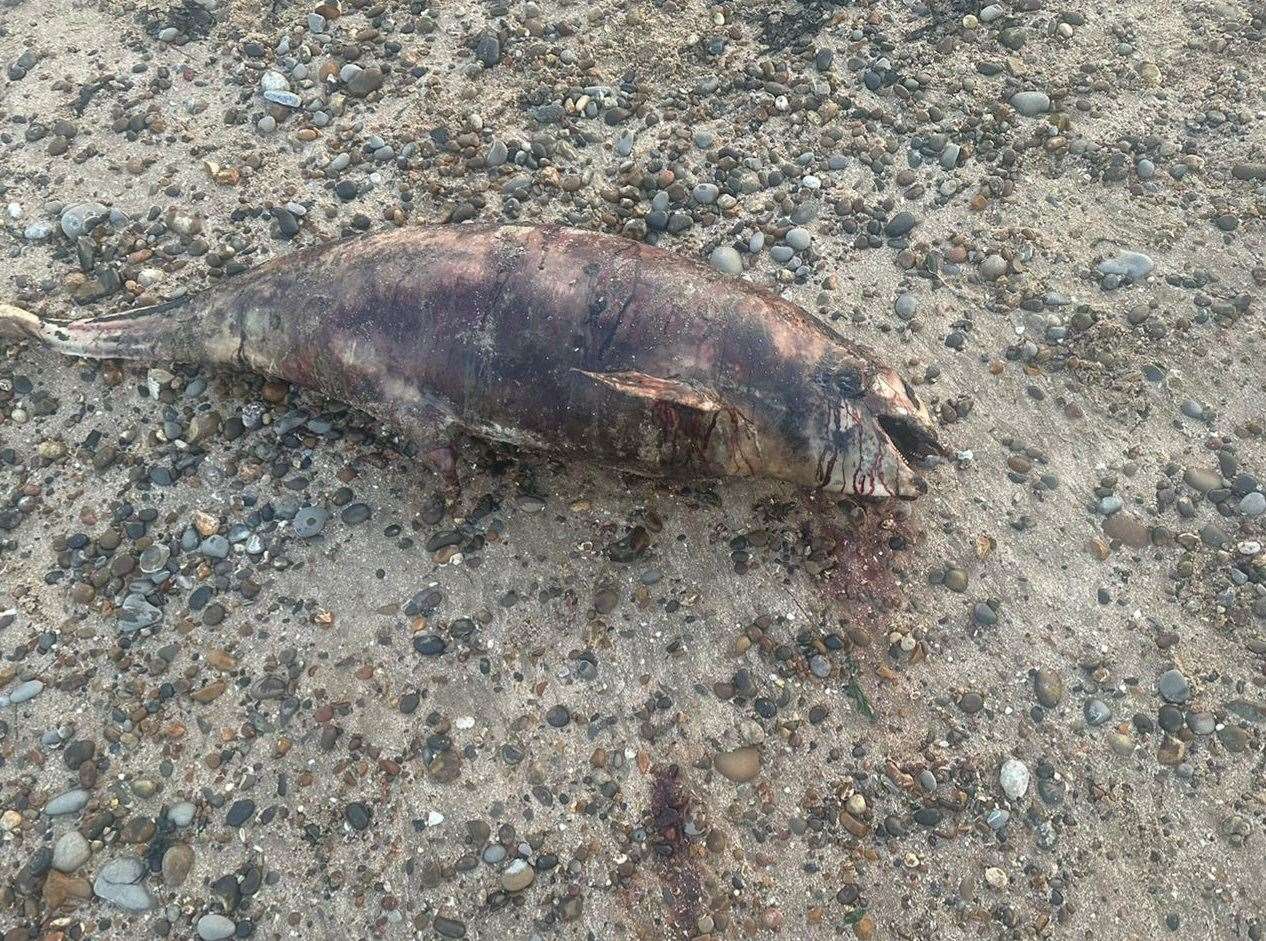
[905,423]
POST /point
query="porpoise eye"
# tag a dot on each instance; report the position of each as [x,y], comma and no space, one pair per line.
[849,383]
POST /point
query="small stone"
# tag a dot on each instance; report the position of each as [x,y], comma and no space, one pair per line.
[706,193]
[70,802]
[181,815]
[24,692]
[1096,712]
[1014,778]
[971,702]
[449,927]
[357,815]
[81,218]
[240,812]
[900,224]
[517,876]
[798,238]
[364,81]
[70,851]
[993,267]
[118,882]
[1132,265]
[1031,103]
[1173,686]
[177,862]
[740,765]
[488,50]
[1253,504]
[726,260]
[215,927]
[996,878]
[1049,687]
[61,889]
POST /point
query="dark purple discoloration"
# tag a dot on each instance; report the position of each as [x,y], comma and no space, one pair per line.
[592,347]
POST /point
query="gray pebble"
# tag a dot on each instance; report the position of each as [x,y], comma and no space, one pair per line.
[70,802]
[798,238]
[309,521]
[181,815]
[70,851]
[272,80]
[706,193]
[906,305]
[215,547]
[1097,712]
[1173,686]
[215,927]
[1014,778]
[1253,504]
[286,98]
[82,218]
[1031,103]
[25,692]
[1133,265]
[726,260]
[993,267]
[118,882]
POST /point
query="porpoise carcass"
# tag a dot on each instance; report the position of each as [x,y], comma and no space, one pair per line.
[585,346]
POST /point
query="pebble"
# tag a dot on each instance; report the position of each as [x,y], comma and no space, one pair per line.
[726,260]
[1097,712]
[23,692]
[517,876]
[215,927]
[177,862]
[1132,265]
[309,521]
[449,927]
[70,802]
[119,882]
[1253,504]
[1031,103]
[706,193]
[81,218]
[70,851]
[1173,687]
[1049,687]
[181,814]
[740,765]
[1014,778]
[900,224]
[798,239]
[993,267]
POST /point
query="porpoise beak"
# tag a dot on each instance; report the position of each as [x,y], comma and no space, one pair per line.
[907,424]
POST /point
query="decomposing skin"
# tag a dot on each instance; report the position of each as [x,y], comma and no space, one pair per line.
[587,346]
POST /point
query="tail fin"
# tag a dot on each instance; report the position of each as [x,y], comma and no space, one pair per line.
[159,332]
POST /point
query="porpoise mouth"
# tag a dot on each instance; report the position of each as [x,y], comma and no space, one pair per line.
[908,426]
[915,440]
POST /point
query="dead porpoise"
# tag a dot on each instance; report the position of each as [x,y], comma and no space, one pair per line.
[585,346]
